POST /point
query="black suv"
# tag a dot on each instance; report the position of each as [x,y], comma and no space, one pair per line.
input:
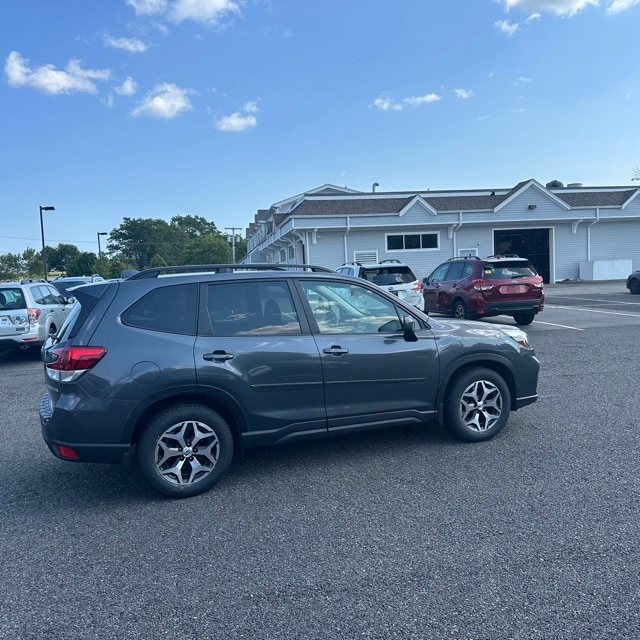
[182,371]
[477,288]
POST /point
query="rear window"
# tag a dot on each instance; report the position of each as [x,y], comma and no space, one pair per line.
[505,270]
[389,275]
[63,287]
[12,299]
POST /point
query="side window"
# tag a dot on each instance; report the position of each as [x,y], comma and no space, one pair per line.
[251,308]
[345,308]
[455,271]
[169,309]
[439,274]
[468,269]
[55,295]
[39,295]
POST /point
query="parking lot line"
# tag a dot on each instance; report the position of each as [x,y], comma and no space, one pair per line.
[600,301]
[553,324]
[611,313]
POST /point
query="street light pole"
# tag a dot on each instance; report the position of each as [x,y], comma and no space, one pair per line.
[44,251]
[233,240]
[100,233]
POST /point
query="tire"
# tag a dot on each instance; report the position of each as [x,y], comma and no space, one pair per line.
[169,456]
[524,318]
[634,286]
[459,309]
[477,404]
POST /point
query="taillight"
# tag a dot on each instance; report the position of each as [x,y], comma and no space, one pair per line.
[66,364]
[33,315]
[417,286]
[537,282]
[482,285]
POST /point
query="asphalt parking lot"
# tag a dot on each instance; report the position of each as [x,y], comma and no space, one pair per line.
[387,535]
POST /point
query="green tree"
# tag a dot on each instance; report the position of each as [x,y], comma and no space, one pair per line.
[137,240]
[208,249]
[11,266]
[83,265]
[194,226]
[60,257]
[158,261]
[32,261]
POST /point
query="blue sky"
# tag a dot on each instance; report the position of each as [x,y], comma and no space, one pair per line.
[155,108]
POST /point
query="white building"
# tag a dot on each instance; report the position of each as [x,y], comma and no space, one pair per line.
[571,232]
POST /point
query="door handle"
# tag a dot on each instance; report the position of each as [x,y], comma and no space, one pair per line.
[335,350]
[217,356]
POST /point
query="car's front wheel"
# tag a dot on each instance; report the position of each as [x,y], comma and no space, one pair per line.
[185,450]
[477,404]
[524,318]
[634,286]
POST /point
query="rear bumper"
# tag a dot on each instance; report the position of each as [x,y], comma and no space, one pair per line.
[92,440]
[508,308]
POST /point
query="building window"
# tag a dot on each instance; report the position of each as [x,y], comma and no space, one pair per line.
[292,252]
[283,255]
[413,241]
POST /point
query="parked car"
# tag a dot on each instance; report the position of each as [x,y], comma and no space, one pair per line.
[64,284]
[476,288]
[633,282]
[181,372]
[391,275]
[30,311]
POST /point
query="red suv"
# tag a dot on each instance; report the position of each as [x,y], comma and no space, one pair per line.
[475,288]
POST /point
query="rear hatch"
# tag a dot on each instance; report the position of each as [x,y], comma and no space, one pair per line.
[14,317]
[510,280]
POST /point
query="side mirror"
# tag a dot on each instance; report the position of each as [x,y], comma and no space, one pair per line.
[409,327]
[425,280]
[71,300]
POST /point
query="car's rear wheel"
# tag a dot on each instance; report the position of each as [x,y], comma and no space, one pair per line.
[477,404]
[524,318]
[634,286]
[459,309]
[185,450]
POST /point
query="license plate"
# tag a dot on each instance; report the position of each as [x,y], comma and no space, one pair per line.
[513,288]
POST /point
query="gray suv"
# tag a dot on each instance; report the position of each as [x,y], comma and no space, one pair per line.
[30,311]
[182,372]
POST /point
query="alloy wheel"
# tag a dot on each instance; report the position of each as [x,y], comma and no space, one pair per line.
[481,406]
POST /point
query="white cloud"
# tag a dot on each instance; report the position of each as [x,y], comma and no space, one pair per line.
[520,110]
[250,107]
[165,101]
[207,11]
[520,81]
[238,121]
[507,27]
[127,88]
[426,99]
[385,103]
[617,6]
[132,45]
[556,7]
[51,80]
[534,16]
[148,7]
[463,93]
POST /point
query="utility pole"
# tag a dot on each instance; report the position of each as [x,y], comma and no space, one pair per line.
[233,240]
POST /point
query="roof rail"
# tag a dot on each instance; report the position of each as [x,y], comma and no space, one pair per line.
[156,272]
[464,258]
[389,260]
[503,255]
[31,280]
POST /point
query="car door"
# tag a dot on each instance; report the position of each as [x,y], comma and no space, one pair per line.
[59,306]
[448,288]
[431,287]
[373,377]
[255,352]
